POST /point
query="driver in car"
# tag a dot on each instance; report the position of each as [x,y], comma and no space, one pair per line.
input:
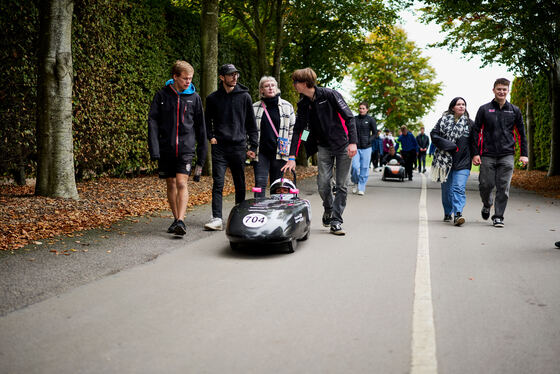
[392,155]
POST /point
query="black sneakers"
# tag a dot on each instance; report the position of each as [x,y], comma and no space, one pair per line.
[171,228]
[447,218]
[498,222]
[336,229]
[326,219]
[485,213]
[458,220]
[557,244]
[180,228]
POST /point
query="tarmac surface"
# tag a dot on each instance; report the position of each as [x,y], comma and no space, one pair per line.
[139,300]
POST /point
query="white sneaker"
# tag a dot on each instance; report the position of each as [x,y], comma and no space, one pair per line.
[215,224]
[354,189]
[361,193]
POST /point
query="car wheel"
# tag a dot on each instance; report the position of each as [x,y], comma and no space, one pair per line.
[292,244]
[306,236]
[234,246]
[383,178]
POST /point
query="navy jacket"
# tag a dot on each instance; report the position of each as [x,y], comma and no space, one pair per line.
[498,129]
[366,129]
[175,123]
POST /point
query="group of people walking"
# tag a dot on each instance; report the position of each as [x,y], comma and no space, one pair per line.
[269,134]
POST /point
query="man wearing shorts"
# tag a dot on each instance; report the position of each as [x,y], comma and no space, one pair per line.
[175,125]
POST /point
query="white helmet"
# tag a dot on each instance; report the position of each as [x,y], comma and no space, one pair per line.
[281,182]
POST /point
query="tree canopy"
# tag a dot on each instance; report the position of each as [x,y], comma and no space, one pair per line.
[396,79]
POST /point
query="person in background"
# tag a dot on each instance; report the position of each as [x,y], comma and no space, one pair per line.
[326,124]
[230,125]
[275,123]
[392,155]
[452,137]
[423,143]
[409,150]
[388,141]
[366,128]
[377,150]
[497,126]
[172,138]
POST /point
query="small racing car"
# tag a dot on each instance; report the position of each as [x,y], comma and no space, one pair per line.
[280,219]
[393,170]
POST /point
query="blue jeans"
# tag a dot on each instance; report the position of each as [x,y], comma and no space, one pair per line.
[326,162]
[453,196]
[267,166]
[360,168]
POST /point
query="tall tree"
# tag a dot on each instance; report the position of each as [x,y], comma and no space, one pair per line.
[329,35]
[209,49]
[396,79]
[523,34]
[55,169]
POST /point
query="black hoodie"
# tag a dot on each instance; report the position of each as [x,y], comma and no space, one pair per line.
[230,117]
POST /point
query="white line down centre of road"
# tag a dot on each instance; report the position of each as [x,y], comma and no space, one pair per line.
[423,331]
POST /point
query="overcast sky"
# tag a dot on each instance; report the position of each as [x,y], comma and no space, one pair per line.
[460,77]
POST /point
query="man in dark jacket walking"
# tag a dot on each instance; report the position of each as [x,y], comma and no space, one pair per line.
[409,150]
[423,143]
[230,124]
[175,123]
[326,124]
[366,129]
[497,125]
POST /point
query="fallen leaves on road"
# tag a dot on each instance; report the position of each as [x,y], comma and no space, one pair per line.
[26,218]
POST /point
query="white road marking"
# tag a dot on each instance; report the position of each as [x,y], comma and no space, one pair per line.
[424,358]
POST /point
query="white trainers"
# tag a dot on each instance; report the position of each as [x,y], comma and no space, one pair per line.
[215,224]
[354,189]
[361,193]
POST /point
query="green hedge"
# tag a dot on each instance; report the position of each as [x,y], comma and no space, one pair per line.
[122,54]
[538,94]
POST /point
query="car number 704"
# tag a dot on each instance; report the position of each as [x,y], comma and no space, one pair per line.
[254,220]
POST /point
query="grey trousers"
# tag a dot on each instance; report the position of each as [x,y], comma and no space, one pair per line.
[495,172]
[341,163]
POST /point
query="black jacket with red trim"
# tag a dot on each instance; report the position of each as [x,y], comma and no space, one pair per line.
[497,129]
[322,117]
[175,124]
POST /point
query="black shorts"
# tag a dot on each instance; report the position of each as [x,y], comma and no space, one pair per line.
[169,166]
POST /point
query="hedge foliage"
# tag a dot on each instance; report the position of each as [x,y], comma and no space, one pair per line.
[122,54]
[538,94]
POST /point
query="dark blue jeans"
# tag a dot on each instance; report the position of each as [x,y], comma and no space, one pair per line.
[223,156]
[267,166]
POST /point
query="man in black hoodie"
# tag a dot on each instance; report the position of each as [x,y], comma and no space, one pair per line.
[175,123]
[230,124]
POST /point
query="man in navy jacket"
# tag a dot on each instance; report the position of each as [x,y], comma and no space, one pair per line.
[497,126]
[175,123]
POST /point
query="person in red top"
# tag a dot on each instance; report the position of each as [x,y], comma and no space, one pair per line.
[497,126]
[175,124]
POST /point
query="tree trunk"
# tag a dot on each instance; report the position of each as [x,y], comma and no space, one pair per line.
[55,168]
[530,123]
[554,167]
[209,46]
[279,43]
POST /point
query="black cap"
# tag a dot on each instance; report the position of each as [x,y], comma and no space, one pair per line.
[227,69]
[386,130]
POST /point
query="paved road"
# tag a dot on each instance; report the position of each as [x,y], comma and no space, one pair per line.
[398,294]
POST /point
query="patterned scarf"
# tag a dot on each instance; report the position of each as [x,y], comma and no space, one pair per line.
[443,160]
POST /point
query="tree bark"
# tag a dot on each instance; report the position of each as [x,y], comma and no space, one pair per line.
[209,46]
[530,123]
[554,167]
[55,168]
[279,42]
